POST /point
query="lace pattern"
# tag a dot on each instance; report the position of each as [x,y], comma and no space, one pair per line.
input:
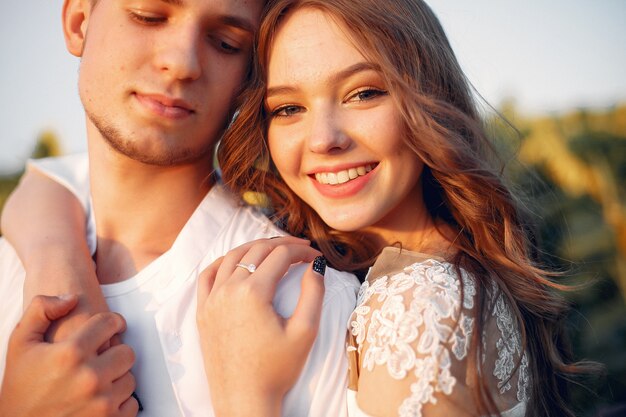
[407,323]
[509,346]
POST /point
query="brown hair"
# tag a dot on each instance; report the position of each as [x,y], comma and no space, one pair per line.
[462,186]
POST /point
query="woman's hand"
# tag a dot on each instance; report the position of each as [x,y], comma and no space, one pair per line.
[252,355]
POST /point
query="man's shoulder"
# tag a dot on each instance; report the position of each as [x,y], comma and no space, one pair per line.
[242,222]
[11,287]
[336,282]
[65,167]
[71,171]
[9,260]
[340,291]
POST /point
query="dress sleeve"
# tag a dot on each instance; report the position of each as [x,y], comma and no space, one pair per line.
[408,342]
[408,345]
[72,172]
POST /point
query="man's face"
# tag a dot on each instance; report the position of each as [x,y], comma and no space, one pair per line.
[157,77]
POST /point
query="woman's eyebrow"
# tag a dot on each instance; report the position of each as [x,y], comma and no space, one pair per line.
[354,69]
[335,78]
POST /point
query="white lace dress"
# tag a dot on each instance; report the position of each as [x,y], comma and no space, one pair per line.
[409,358]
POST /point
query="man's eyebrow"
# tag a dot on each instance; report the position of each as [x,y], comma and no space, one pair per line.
[335,78]
[235,21]
[228,20]
[174,2]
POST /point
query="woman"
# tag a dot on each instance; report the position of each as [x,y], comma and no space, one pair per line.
[377,148]
[360,127]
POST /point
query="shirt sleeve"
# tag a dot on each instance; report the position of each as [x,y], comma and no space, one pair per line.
[72,172]
[325,374]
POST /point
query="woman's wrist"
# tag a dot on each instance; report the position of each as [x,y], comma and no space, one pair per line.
[55,269]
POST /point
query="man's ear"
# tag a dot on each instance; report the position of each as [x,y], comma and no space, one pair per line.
[75,20]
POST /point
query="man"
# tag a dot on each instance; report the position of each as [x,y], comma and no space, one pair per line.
[157,78]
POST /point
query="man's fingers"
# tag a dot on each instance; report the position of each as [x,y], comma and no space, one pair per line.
[122,390]
[116,340]
[97,330]
[129,408]
[115,362]
[304,322]
[40,313]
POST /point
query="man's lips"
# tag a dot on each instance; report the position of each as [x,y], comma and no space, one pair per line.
[165,106]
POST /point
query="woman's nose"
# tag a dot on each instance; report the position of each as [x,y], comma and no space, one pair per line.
[327,133]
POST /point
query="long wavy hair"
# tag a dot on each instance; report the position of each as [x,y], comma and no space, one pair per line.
[462,181]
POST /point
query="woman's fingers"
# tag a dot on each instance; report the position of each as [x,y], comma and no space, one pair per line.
[303,325]
[257,265]
[252,253]
[206,280]
[275,265]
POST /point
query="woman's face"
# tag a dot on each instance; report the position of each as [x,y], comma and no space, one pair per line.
[335,134]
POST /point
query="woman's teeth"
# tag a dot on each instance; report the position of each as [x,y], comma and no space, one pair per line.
[341,177]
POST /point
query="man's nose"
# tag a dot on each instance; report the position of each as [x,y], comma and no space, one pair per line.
[179,55]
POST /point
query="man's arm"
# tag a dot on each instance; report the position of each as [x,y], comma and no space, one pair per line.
[45,224]
[68,378]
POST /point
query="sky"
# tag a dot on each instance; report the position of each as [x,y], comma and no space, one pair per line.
[549,55]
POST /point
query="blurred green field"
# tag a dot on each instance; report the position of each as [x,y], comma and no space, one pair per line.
[573,172]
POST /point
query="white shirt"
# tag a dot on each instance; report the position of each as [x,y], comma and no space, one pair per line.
[159,305]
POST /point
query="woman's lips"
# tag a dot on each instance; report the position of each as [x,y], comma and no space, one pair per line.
[343,183]
[342,176]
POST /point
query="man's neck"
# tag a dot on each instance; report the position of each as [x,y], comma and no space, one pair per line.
[140,209]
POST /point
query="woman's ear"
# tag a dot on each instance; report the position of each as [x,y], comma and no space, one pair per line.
[75,19]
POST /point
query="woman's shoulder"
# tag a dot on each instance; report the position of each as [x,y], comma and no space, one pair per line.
[427,302]
[419,283]
[412,330]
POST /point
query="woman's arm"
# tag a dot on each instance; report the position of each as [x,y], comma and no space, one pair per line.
[409,339]
[45,223]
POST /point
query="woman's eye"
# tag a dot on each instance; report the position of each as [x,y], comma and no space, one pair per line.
[286,111]
[365,94]
[147,18]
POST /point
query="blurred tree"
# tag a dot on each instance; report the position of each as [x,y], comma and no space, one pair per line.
[47,144]
[575,181]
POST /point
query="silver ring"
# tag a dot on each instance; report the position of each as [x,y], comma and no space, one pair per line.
[248,267]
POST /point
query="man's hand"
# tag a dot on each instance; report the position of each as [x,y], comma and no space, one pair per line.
[252,355]
[68,378]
